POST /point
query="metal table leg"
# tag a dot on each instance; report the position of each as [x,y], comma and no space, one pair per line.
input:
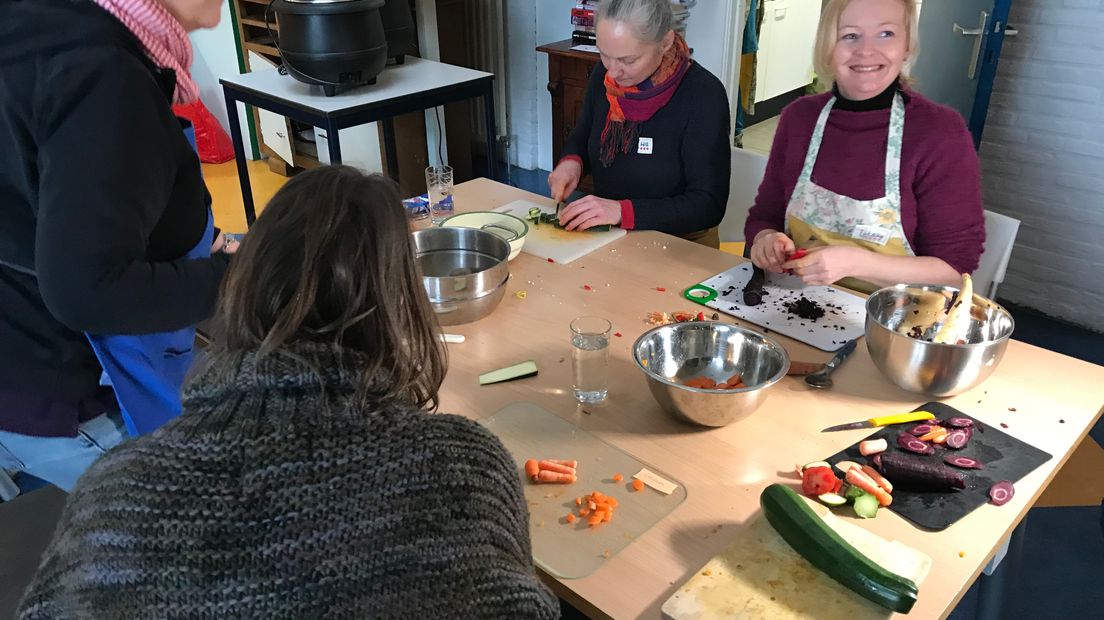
[492,138]
[391,154]
[333,139]
[239,155]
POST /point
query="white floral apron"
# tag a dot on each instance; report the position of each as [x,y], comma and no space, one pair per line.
[817,216]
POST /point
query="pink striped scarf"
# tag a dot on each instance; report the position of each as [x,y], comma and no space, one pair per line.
[165,40]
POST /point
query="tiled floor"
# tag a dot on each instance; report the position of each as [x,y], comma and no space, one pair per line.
[760,136]
[1056,572]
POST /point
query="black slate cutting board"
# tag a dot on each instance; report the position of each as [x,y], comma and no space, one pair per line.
[1004,456]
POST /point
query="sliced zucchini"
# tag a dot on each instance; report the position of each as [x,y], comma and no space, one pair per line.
[811,537]
[853,492]
[517,371]
[832,499]
[866,506]
[814,464]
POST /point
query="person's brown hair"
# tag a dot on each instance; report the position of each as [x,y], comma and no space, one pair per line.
[331,260]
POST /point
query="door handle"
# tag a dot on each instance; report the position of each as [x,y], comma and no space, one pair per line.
[1011,32]
[979,32]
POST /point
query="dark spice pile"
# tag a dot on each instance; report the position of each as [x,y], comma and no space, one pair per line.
[805,308]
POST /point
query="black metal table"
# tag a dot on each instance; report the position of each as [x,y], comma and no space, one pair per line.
[416,85]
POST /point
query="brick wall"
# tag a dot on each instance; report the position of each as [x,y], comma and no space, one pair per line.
[1042,157]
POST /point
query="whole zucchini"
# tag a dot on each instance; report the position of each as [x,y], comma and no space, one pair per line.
[811,537]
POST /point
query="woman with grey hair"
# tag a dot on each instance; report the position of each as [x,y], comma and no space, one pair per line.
[653,132]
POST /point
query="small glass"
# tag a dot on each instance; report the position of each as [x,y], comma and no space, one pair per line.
[417,213]
[439,188]
[590,358]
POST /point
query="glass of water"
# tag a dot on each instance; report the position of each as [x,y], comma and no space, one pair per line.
[590,358]
[439,188]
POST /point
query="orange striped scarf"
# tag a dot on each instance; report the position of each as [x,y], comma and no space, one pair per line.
[164,39]
[630,106]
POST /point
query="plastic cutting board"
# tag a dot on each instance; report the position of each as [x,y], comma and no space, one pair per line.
[562,246]
[575,550]
[844,318]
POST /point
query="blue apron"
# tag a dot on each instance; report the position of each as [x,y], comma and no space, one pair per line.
[147,371]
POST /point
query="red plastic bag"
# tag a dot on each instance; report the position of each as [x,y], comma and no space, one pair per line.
[213,144]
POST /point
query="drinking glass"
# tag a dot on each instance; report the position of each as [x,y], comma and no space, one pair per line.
[439,188]
[590,358]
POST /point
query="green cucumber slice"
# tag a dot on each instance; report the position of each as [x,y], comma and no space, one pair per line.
[853,492]
[831,499]
[866,506]
[517,371]
[811,537]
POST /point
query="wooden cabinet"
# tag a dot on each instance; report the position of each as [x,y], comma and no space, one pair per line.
[568,73]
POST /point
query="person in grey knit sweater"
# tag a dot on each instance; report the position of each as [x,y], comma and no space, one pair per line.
[307,477]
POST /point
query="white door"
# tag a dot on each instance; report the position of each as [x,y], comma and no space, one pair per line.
[275,129]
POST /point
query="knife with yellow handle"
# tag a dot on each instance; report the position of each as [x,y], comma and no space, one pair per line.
[900,418]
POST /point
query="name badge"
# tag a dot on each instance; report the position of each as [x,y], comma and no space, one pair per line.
[644,146]
[873,234]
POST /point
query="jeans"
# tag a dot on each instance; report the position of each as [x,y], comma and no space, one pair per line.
[60,460]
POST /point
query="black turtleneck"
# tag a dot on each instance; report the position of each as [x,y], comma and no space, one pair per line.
[881,101]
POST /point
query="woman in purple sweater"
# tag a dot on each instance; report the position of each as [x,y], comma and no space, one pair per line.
[879,184]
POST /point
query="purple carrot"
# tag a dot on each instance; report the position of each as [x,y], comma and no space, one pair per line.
[958,438]
[1001,493]
[963,462]
[912,444]
[960,422]
[922,429]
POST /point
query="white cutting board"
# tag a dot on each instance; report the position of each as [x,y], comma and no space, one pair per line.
[562,246]
[572,550]
[760,576]
[844,317]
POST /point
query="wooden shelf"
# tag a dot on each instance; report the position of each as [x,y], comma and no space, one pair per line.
[262,49]
[265,2]
[259,23]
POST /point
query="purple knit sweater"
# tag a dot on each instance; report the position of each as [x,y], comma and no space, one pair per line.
[940,177]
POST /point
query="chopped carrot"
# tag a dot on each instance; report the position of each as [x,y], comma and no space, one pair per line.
[637,485]
[555,476]
[932,434]
[594,519]
[877,477]
[570,518]
[612,501]
[556,467]
[578,501]
[592,505]
[584,512]
[856,477]
[618,477]
[609,515]
[571,464]
[531,469]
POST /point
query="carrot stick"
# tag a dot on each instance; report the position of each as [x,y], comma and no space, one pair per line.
[932,434]
[555,476]
[571,464]
[556,467]
[856,477]
[878,478]
[531,469]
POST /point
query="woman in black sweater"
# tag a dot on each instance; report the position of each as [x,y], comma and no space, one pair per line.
[653,132]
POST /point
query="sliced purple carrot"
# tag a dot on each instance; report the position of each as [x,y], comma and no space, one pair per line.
[1001,493]
[964,462]
[922,429]
[958,438]
[909,442]
[960,422]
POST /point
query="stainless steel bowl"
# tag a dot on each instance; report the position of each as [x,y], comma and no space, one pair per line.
[930,368]
[670,355]
[464,271]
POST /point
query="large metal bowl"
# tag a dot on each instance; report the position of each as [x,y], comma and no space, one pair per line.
[670,355]
[464,271]
[934,369]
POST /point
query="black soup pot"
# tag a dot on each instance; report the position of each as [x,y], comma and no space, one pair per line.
[337,44]
[398,23]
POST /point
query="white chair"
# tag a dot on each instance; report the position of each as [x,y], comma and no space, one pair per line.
[747,173]
[1000,236]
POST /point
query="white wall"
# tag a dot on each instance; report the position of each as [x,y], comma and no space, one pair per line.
[530,24]
[215,57]
[1042,157]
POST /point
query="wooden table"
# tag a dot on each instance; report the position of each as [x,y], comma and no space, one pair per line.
[725,469]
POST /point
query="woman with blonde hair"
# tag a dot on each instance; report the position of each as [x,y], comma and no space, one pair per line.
[879,184]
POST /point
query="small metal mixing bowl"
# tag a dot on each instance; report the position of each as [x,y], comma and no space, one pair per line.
[670,355]
[934,369]
[464,271]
